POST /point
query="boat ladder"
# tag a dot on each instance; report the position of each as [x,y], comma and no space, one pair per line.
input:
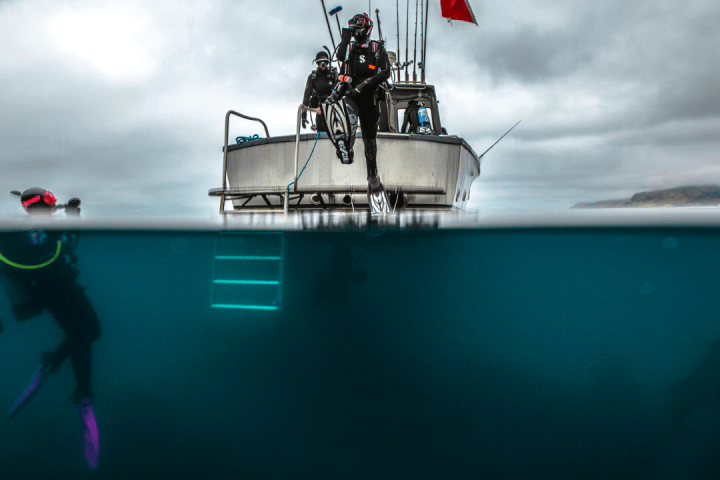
[248,271]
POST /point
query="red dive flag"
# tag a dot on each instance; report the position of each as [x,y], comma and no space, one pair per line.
[458,10]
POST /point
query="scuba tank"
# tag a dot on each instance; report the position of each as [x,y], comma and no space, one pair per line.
[424,121]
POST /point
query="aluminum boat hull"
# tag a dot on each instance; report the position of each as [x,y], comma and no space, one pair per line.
[430,171]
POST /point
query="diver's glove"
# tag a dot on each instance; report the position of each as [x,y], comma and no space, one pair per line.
[359,88]
[304,120]
[339,91]
[346,34]
[73,206]
[333,97]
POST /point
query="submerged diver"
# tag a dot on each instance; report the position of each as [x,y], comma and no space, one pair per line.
[366,66]
[318,87]
[38,270]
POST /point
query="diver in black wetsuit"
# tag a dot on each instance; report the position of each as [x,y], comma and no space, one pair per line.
[38,270]
[366,66]
[318,87]
[411,122]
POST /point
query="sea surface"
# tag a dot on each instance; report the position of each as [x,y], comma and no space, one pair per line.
[583,346]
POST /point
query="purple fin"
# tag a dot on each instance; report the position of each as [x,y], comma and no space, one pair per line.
[91,436]
[36,382]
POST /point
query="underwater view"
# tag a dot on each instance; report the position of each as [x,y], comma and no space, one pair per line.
[496,353]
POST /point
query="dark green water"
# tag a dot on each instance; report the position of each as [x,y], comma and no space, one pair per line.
[499,354]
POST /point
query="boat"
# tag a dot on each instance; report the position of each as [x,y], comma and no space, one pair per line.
[290,173]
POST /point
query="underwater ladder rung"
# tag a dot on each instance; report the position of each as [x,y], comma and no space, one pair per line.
[248,271]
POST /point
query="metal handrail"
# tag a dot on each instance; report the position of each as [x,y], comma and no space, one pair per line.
[301,109]
[225,149]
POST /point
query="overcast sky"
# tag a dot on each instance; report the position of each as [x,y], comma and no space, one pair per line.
[122,103]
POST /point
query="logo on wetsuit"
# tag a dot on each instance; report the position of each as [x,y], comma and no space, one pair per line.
[343,152]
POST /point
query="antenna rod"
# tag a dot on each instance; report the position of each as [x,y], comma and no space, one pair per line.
[377,15]
[422,43]
[427,18]
[415,51]
[407,32]
[397,13]
[498,140]
[327,20]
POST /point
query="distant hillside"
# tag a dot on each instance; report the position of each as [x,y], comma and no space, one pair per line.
[704,195]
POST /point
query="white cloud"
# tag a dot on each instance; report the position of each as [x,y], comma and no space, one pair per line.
[113,42]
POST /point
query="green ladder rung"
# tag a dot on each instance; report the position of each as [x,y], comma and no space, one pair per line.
[244,307]
[237,257]
[248,282]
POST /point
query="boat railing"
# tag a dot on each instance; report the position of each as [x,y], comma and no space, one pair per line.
[301,109]
[225,149]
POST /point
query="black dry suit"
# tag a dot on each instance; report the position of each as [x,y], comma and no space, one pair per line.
[367,66]
[318,88]
[411,122]
[38,271]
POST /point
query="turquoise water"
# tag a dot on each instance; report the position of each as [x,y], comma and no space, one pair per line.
[469,353]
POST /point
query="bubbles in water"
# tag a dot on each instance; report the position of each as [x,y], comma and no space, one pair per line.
[670,242]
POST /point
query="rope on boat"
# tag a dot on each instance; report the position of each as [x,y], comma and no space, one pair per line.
[247,139]
[287,190]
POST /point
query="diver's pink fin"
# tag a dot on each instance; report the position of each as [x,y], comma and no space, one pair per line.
[91,436]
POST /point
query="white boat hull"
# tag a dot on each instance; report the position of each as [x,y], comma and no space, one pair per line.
[429,171]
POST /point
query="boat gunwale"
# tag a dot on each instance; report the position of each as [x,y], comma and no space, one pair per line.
[349,189]
[446,139]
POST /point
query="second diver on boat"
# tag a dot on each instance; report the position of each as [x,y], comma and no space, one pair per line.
[318,87]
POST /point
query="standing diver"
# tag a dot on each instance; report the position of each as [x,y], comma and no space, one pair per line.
[318,87]
[38,270]
[366,66]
